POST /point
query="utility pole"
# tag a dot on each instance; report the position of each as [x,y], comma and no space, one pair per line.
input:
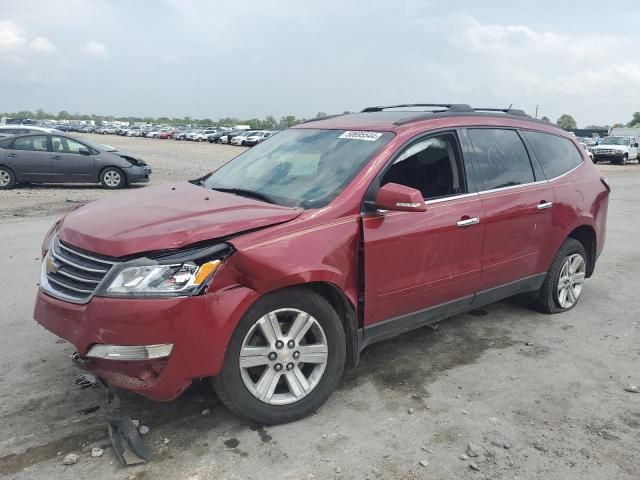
[537,110]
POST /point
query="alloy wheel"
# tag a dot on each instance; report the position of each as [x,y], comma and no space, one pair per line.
[112,178]
[570,281]
[5,178]
[283,356]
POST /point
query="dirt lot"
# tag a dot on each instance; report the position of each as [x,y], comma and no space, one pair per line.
[541,396]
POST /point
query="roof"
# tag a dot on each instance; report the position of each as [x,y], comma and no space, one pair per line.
[379,119]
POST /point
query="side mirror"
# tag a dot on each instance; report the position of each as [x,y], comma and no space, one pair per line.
[395,197]
[635,145]
[84,151]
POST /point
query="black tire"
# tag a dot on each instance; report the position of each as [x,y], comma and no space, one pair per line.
[622,161]
[107,175]
[8,178]
[547,300]
[229,385]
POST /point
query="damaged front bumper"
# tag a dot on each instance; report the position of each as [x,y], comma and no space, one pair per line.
[153,347]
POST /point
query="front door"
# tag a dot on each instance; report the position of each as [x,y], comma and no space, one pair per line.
[423,265]
[68,164]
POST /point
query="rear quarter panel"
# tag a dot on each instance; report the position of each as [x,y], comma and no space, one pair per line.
[581,199]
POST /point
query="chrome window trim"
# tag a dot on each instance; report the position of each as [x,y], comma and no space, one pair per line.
[511,187]
[567,172]
[452,197]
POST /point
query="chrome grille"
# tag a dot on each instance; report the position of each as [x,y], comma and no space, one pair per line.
[72,274]
[606,151]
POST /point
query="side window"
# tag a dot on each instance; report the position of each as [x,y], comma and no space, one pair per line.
[556,155]
[66,145]
[431,165]
[34,143]
[501,158]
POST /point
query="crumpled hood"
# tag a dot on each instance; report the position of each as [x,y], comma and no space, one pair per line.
[165,217]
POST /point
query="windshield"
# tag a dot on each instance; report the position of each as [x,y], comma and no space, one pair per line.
[615,141]
[98,146]
[300,167]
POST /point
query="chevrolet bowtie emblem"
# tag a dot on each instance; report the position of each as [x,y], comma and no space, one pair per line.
[51,266]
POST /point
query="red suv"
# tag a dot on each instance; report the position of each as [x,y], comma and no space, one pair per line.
[275,271]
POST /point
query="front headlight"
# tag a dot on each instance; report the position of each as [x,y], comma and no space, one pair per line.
[183,273]
[161,280]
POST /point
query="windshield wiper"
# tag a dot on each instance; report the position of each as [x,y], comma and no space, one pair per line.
[243,192]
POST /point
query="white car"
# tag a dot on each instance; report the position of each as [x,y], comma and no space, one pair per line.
[10,130]
[203,135]
[242,138]
[616,149]
[586,148]
[257,137]
[152,134]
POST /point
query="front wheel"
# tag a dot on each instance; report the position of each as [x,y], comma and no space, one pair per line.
[285,358]
[113,178]
[563,284]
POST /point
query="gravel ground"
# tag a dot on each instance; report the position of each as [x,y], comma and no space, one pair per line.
[540,397]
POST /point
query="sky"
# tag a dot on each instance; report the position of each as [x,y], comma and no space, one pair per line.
[244,59]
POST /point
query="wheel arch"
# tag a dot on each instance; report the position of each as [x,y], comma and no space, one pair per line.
[341,304]
[586,235]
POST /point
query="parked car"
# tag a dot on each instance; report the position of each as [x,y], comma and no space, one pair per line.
[241,139]
[615,149]
[181,134]
[586,149]
[60,158]
[203,135]
[275,271]
[257,137]
[106,130]
[215,137]
[152,133]
[166,133]
[227,136]
[11,130]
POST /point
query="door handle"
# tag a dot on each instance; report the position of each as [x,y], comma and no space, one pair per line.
[544,204]
[468,221]
[56,157]
[12,155]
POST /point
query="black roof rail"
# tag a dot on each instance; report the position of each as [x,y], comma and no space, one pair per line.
[326,117]
[453,107]
[508,111]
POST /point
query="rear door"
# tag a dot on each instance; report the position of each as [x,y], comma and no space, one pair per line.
[517,201]
[422,265]
[29,157]
[68,164]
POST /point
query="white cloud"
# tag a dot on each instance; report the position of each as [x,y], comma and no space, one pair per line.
[11,35]
[95,49]
[523,40]
[41,44]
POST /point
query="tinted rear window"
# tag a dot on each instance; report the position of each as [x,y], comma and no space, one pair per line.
[501,158]
[556,155]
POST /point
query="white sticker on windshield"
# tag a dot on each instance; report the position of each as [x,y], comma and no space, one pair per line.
[358,135]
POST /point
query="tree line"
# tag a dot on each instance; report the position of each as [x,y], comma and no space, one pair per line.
[567,122]
[267,123]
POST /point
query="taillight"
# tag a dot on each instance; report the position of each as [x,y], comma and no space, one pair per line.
[605,182]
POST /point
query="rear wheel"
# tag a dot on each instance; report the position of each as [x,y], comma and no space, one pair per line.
[285,358]
[7,178]
[563,284]
[113,178]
